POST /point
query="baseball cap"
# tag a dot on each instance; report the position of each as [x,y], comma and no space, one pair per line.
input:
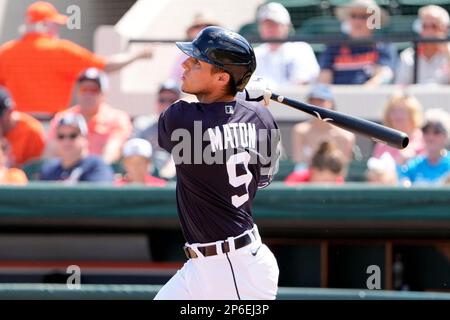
[75,120]
[6,102]
[137,147]
[94,74]
[44,11]
[274,11]
[437,119]
[322,92]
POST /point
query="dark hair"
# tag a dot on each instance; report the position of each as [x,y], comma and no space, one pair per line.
[328,157]
[231,86]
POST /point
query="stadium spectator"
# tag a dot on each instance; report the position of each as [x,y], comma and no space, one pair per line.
[40,69]
[201,20]
[327,166]
[433,58]
[433,168]
[369,64]
[9,176]
[137,154]
[404,113]
[382,170]
[108,127]
[147,128]
[73,163]
[308,135]
[25,134]
[288,63]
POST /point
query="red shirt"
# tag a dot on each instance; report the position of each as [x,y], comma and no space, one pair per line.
[40,71]
[304,176]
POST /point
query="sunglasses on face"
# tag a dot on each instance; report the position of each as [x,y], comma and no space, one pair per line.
[435,130]
[430,26]
[71,136]
[359,16]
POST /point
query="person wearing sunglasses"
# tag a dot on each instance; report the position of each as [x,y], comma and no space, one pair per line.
[369,64]
[73,162]
[432,168]
[25,134]
[433,57]
[108,127]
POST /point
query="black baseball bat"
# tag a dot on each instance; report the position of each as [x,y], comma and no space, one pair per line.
[357,125]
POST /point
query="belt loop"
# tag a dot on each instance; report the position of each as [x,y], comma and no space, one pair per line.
[255,233]
[231,245]
[219,247]
[199,254]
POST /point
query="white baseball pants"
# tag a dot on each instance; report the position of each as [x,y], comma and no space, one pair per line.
[249,273]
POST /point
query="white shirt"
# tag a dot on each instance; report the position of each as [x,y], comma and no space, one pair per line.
[292,63]
[435,70]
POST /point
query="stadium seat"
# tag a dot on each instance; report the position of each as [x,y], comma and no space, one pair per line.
[356,171]
[399,26]
[249,30]
[300,10]
[410,7]
[32,169]
[286,166]
[322,25]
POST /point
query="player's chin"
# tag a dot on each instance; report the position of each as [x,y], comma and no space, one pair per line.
[186,88]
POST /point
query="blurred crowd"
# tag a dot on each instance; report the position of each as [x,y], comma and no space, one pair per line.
[93,141]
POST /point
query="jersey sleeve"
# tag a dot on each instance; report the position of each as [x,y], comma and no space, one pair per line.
[269,159]
[169,120]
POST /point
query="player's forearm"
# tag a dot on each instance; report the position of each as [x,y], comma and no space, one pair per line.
[118,61]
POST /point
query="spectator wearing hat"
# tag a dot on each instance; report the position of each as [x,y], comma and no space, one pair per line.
[327,166]
[308,135]
[73,163]
[108,127]
[432,168]
[287,63]
[40,69]
[369,64]
[26,135]
[9,176]
[201,20]
[136,160]
[147,128]
[434,57]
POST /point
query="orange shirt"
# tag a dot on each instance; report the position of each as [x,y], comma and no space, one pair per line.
[109,123]
[40,71]
[27,139]
[13,176]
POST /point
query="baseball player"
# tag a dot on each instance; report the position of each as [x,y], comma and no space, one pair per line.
[226,258]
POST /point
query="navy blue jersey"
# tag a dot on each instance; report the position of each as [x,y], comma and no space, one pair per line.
[223,153]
